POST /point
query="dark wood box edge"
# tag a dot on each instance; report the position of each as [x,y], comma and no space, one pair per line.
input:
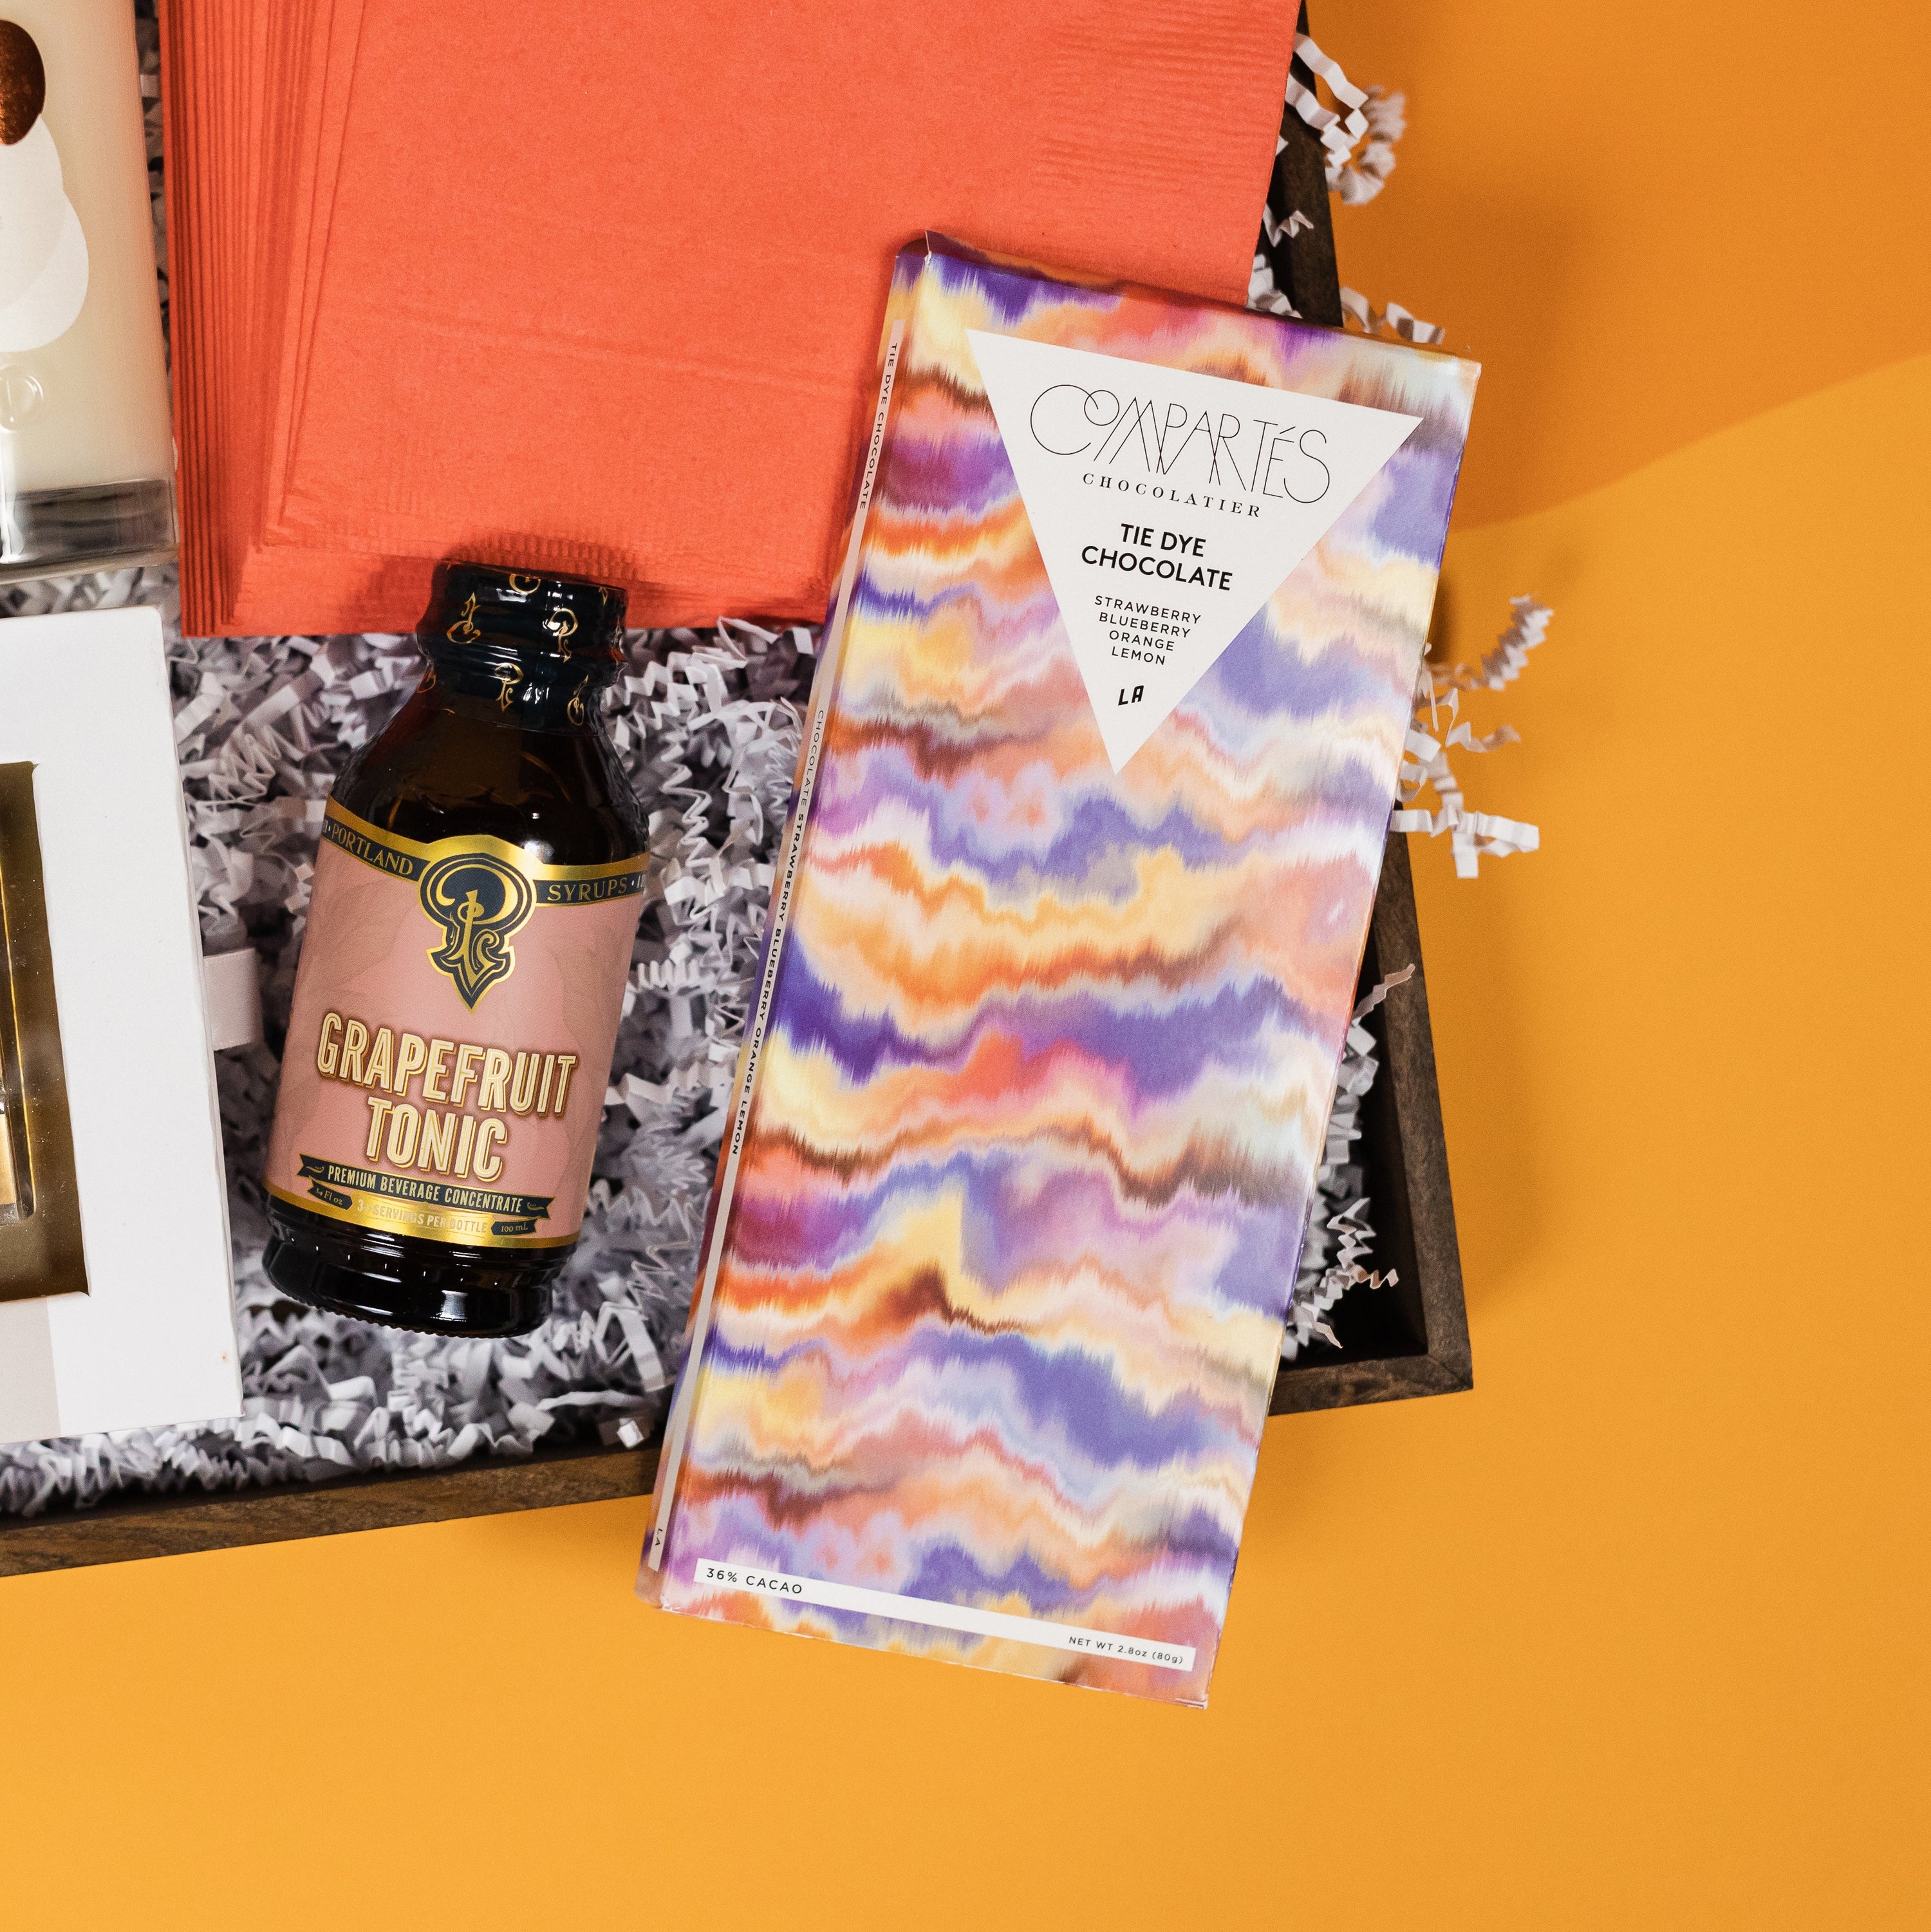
[132,1527]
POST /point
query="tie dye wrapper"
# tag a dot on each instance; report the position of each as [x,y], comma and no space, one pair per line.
[1036,1084]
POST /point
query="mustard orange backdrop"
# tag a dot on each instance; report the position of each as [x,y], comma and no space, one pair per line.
[1631,1635]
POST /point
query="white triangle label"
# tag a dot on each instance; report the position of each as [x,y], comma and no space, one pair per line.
[1168,506]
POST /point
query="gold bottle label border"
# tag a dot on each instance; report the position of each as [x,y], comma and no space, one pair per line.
[417,1219]
[409,859]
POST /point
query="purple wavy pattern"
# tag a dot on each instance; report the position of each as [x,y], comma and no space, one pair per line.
[1052,1048]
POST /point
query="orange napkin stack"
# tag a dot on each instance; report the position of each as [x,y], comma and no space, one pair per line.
[599,287]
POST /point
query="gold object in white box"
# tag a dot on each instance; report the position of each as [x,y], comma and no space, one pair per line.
[86,448]
[40,1251]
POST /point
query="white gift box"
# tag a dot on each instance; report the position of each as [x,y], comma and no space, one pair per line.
[84,699]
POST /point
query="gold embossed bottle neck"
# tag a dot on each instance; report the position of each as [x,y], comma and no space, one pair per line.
[542,612]
[532,648]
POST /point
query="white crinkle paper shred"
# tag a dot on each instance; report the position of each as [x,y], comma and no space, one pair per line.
[1473,836]
[1357,134]
[1393,320]
[1338,1234]
[1357,139]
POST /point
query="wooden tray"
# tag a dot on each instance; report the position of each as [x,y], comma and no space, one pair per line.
[1410,1339]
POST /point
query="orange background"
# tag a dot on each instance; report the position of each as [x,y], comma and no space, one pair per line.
[1634,1634]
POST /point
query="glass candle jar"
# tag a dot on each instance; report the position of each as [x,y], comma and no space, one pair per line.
[86,446]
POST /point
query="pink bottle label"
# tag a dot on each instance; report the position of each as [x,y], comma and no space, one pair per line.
[454,1016]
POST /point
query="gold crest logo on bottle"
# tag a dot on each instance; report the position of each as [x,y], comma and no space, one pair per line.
[478,902]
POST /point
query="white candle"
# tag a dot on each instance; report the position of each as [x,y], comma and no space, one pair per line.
[86,448]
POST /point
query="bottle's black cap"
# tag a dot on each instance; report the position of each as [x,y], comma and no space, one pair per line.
[526,610]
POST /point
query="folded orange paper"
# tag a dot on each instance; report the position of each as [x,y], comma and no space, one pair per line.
[598,288]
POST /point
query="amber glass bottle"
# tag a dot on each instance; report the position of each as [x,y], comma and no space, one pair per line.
[462,973]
